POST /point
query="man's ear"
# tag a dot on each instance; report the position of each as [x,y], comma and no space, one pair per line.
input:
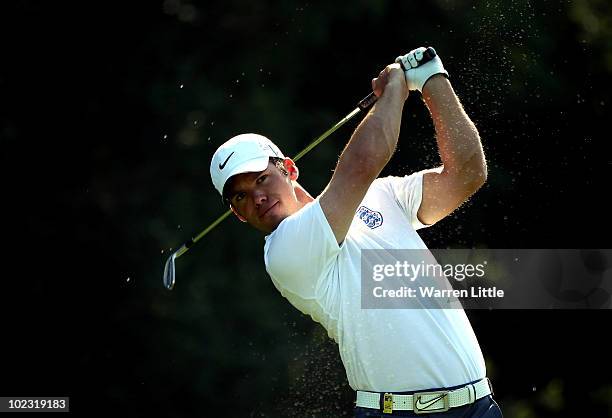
[242,219]
[292,169]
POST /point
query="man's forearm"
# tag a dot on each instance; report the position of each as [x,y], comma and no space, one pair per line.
[375,139]
[381,127]
[458,140]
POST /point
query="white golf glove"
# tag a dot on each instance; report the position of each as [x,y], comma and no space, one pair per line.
[419,66]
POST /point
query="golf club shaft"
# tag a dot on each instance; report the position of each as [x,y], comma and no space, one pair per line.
[186,246]
[362,106]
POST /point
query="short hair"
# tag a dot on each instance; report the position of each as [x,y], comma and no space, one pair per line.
[278,163]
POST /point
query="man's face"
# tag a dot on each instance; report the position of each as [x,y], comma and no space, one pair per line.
[265,198]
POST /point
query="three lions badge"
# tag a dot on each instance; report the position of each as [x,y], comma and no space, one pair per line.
[371,218]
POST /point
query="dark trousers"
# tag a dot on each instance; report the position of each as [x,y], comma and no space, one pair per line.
[483,408]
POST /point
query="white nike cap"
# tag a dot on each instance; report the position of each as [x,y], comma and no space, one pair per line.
[245,153]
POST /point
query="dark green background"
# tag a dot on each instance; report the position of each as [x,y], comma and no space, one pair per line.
[105,168]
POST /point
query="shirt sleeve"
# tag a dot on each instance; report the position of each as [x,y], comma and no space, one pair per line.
[301,252]
[408,192]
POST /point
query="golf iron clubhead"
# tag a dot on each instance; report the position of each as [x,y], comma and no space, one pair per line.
[169,272]
[362,107]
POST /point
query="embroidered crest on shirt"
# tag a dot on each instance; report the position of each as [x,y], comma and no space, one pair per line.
[371,218]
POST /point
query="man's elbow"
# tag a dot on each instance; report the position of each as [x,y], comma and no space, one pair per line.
[475,169]
[478,177]
[482,173]
[481,176]
[474,177]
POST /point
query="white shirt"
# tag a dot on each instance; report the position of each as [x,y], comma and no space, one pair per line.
[383,350]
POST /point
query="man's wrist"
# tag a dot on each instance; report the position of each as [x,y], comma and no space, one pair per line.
[435,83]
[399,90]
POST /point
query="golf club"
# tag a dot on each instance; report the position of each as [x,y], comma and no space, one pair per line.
[169,278]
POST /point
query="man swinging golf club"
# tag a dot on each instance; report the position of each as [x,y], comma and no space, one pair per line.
[401,362]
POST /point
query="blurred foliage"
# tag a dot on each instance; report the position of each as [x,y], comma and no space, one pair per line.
[117,109]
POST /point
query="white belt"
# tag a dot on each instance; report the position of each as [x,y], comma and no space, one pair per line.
[426,402]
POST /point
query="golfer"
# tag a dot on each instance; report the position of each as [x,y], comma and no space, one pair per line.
[401,362]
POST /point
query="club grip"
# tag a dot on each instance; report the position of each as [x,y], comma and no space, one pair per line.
[371,98]
[367,101]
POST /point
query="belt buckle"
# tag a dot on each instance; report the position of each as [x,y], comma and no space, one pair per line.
[388,403]
[423,407]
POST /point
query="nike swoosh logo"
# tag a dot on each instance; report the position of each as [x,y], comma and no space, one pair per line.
[273,150]
[222,166]
[424,406]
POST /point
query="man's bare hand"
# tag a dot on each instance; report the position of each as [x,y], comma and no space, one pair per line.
[391,78]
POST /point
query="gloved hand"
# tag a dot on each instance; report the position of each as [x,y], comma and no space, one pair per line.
[418,69]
